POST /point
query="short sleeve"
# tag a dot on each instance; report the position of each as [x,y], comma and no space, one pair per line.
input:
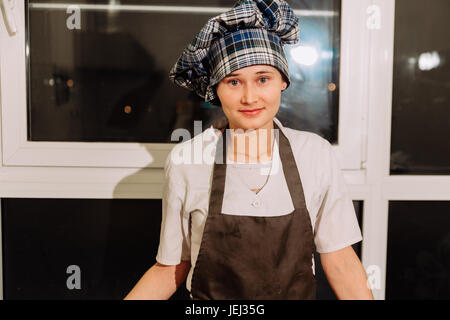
[174,243]
[336,225]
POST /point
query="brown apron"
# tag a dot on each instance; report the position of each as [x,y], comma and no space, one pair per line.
[249,258]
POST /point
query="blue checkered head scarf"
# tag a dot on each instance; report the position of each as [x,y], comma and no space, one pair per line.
[252,32]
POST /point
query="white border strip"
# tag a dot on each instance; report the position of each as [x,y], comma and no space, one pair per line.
[375,221]
[171,9]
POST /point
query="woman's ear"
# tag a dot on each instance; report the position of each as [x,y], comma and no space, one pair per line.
[284,86]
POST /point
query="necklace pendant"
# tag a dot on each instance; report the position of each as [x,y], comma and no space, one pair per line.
[256,191]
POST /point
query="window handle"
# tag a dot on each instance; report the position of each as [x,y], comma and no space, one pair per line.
[7,7]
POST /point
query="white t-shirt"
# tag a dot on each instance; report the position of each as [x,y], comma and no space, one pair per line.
[186,192]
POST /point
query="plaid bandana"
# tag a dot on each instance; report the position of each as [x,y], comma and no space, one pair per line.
[252,32]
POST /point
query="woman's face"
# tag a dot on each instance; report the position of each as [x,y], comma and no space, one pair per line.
[253,87]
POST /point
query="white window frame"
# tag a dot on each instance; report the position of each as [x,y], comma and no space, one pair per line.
[383,187]
[18,152]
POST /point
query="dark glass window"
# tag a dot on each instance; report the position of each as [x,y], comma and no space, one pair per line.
[421,89]
[106,80]
[112,242]
[418,257]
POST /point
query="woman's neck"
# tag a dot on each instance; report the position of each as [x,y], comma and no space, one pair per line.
[254,145]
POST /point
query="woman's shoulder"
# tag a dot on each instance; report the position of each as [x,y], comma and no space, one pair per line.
[300,139]
[194,150]
[191,161]
[312,152]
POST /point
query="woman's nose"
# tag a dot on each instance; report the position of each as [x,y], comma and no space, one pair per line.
[249,95]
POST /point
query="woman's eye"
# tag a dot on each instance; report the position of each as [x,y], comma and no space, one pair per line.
[263,80]
[234,82]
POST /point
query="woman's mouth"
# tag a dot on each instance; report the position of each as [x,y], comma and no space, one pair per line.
[251,112]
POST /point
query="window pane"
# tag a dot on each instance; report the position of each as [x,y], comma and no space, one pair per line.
[43,237]
[311,103]
[106,78]
[421,91]
[113,242]
[418,257]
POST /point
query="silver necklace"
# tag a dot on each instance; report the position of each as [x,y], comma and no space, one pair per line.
[256,191]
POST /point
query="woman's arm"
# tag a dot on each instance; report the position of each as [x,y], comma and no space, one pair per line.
[346,274]
[160,282]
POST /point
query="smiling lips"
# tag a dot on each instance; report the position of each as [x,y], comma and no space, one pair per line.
[251,112]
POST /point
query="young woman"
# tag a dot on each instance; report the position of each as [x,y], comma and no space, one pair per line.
[234,232]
